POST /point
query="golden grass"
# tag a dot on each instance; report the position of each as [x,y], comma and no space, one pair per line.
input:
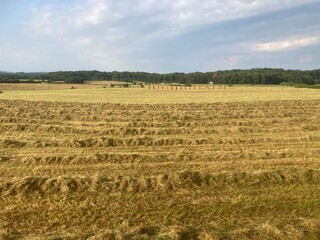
[233,170]
[97,94]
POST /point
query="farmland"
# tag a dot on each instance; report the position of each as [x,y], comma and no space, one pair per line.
[95,93]
[103,163]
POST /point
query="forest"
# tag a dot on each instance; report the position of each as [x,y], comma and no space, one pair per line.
[252,76]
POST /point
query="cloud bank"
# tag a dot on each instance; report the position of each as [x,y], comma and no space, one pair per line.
[164,35]
[287,44]
[163,15]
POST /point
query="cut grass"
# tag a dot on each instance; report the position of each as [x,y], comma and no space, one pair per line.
[86,93]
[239,170]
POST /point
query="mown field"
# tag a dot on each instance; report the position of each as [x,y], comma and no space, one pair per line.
[195,170]
[158,94]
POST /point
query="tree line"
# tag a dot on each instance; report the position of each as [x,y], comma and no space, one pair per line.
[252,76]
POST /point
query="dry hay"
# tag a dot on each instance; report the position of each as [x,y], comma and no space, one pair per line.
[175,232]
[164,182]
[172,171]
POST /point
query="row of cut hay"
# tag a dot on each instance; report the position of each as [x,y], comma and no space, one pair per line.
[18,120]
[49,129]
[13,143]
[300,229]
[215,121]
[87,112]
[66,184]
[155,128]
[96,158]
[115,131]
[92,107]
[178,117]
[131,131]
[164,182]
[163,156]
[161,131]
[137,141]
[158,117]
[205,123]
[151,141]
[158,141]
[145,122]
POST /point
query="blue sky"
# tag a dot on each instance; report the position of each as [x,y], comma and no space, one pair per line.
[158,35]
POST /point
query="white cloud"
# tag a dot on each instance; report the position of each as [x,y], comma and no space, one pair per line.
[50,20]
[171,16]
[186,14]
[287,44]
[115,33]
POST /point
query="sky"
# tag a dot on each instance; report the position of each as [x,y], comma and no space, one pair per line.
[158,35]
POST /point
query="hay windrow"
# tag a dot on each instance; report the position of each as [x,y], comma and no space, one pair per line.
[181,180]
[255,231]
[238,170]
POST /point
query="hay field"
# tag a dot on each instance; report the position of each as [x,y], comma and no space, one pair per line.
[97,94]
[225,170]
